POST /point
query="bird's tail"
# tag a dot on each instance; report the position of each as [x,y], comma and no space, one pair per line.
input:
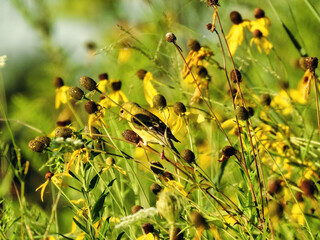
[176,152]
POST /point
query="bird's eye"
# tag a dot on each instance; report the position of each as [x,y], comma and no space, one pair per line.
[121,111]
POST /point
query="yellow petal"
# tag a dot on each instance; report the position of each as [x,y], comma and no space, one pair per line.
[102,85]
[43,187]
[149,90]
[149,236]
[124,55]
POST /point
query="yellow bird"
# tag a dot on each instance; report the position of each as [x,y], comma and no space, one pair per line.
[148,126]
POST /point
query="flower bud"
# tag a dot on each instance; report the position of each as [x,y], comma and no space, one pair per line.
[155,188]
[58,82]
[148,228]
[169,205]
[44,139]
[209,26]
[188,155]
[257,33]
[103,76]
[235,76]
[265,99]
[48,175]
[259,13]
[91,131]
[91,45]
[311,63]
[229,151]
[194,45]
[167,176]
[63,132]
[179,108]
[242,113]
[156,167]
[88,83]
[136,208]
[141,73]
[131,136]
[274,186]
[159,101]
[235,17]
[91,107]
[308,187]
[170,37]
[36,146]
[76,93]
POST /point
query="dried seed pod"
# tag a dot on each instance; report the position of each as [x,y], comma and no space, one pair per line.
[141,73]
[94,130]
[44,139]
[131,136]
[155,188]
[170,37]
[148,228]
[274,186]
[91,107]
[229,151]
[136,208]
[116,85]
[110,161]
[235,17]
[48,175]
[198,220]
[250,111]
[159,101]
[242,113]
[235,75]
[36,146]
[202,72]
[63,132]
[76,93]
[308,187]
[194,45]
[176,234]
[58,82]
[179,108]
[257,33]
[259,13]
[64,123]
[209,26]
[265,100]
[88,83]
[311,63]
[103,76]
[156,167]
[188,155]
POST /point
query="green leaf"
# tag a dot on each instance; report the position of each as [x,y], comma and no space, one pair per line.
[94,181]
[83,228]
[74,176]
[111,182]
[65,237]
[120,235]
[98,206]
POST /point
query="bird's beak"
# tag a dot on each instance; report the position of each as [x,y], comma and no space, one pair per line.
[120,118]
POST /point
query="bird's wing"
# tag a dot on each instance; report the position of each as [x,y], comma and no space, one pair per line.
[150,122]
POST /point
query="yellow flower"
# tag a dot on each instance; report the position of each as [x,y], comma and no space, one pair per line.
[78,154]
[117,96]
[148,236]
[61,96]
[235,36]
[296,213]
[149,90]
[55,178]
[261,24]
[305,85]
[174,185]
[102,85]
[124,55]
[261,41]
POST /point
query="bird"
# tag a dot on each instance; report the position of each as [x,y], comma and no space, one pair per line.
[148,126]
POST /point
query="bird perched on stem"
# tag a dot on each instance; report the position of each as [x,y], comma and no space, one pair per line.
[148,126]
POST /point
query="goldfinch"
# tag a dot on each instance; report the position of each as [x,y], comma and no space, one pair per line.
[148,126]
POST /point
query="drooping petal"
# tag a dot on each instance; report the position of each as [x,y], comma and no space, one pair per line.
[43,187]
[149,90]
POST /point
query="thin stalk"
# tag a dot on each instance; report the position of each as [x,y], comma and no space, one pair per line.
[317,100]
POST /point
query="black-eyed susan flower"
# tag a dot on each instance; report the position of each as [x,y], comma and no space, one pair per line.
[96,116]
[61,92]
[236,34]
[103,83]
[149,90]
[116,95]
[261,41]
[261,23]
[80,156]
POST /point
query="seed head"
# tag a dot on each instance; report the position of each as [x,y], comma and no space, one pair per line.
[48,175]
[202,72]
[176,234]
[116,85]
[250,111]
[308,187]
[131,136]
[235,17]
[274,186]
[209,26]
[156,167]
[169,205]
[36,146]
[198,220]
[63,132]
[88,83]
[242,113]
[188,155]
[155,188]
[170,37]
[44,139]
[229,151]
[141,73]
[148,228]
[159,101]
[275,209]
[179,108]
[103,76]
[259,13]
[311,63]
[194,45]
[91,107]
[76,93]
[167,176]
[93,129]
[235,75]
[58,82]
[257,33]
[265,99]
[64,123]
[136,208]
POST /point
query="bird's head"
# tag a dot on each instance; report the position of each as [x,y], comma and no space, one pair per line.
[127,110]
